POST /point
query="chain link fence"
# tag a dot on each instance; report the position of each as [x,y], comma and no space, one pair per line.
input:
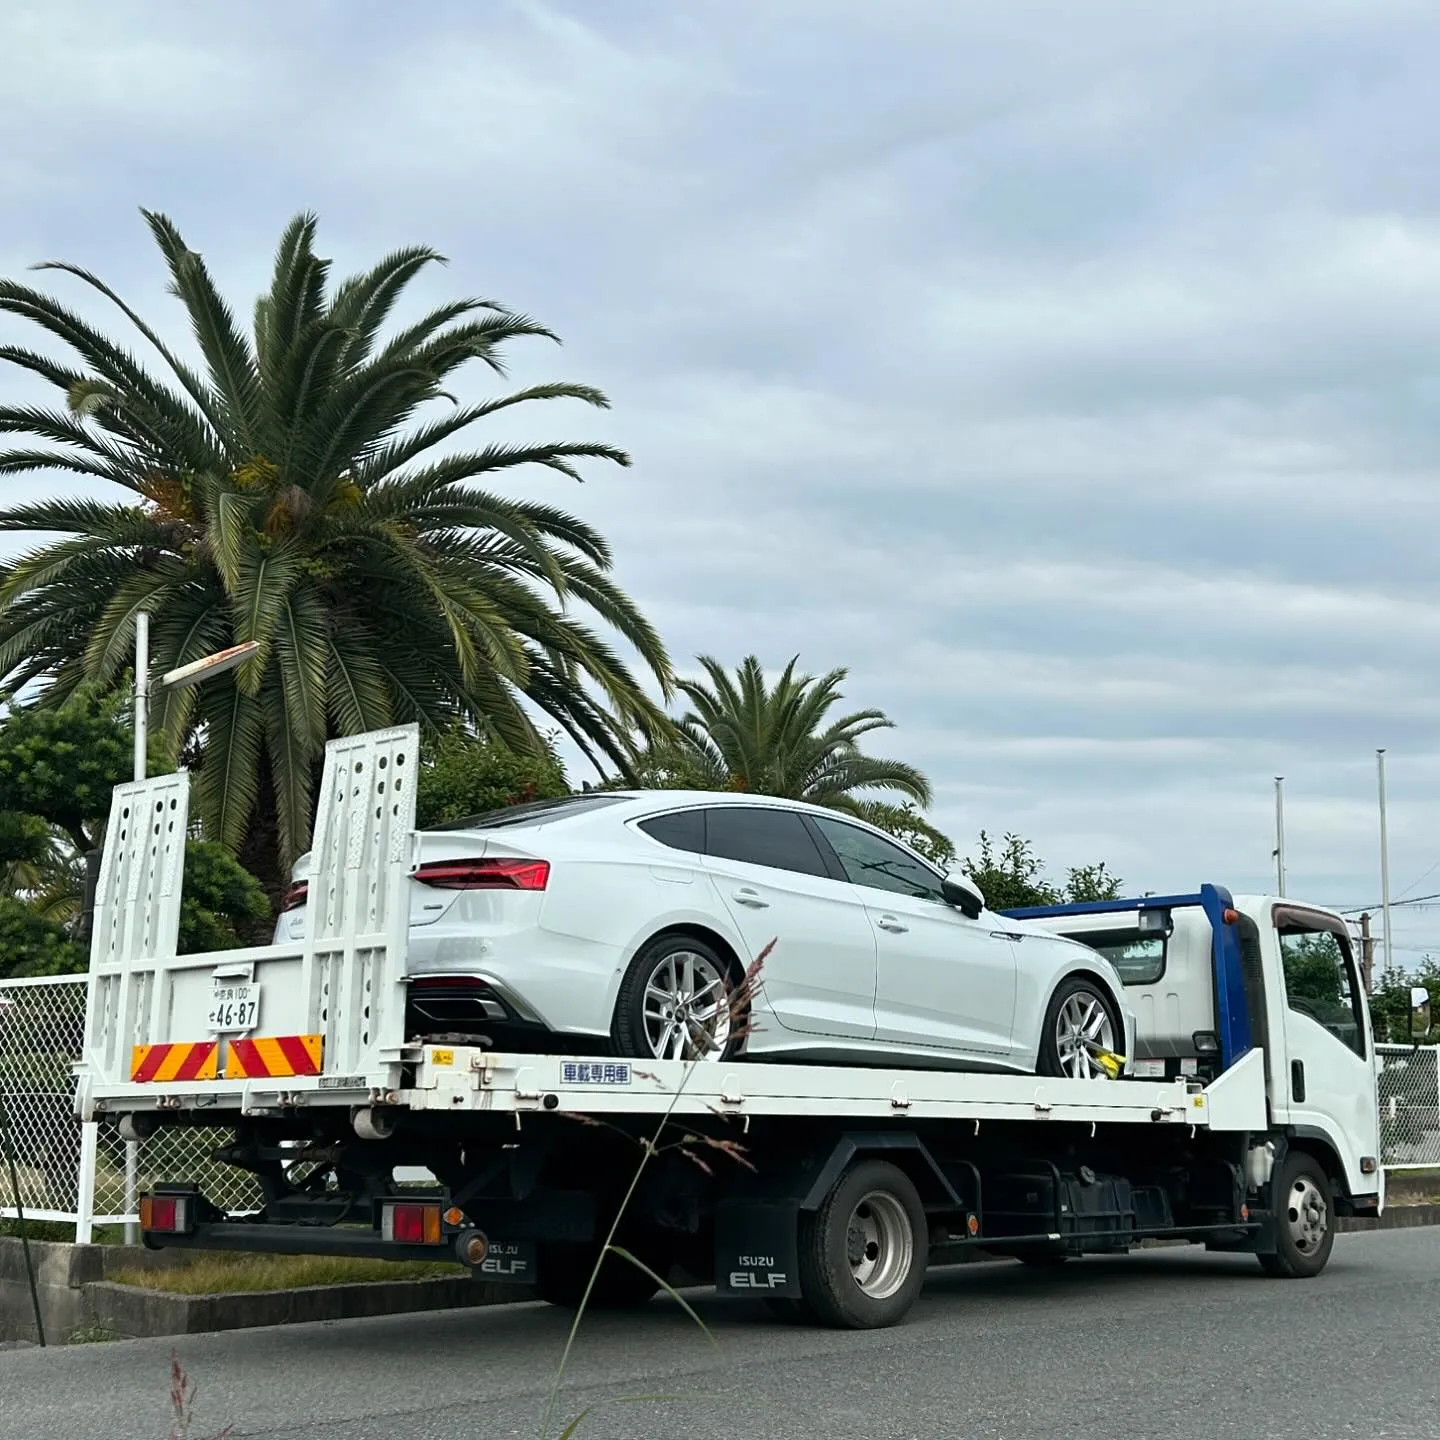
[85,1175]
[1409,1106]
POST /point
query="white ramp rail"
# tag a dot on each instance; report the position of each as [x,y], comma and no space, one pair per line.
[248,1028]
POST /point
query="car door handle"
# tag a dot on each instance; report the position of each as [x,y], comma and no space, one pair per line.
[889,922]
[747,896]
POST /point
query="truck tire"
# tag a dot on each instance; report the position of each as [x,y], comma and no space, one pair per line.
[1304,1214]
[863,1253]
[676,993]
[1069,1007]
[564,1272]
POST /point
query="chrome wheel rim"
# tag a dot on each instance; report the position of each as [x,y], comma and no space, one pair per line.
[1082,1027]
[880,1244]
[1307,1215]
[686,1008]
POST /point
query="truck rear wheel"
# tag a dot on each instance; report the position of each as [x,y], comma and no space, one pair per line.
[1304,1205]
[863,1253]
[564,1273]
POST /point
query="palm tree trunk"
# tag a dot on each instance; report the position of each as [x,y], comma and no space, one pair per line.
[259,853]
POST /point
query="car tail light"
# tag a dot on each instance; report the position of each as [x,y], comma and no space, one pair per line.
[411,1224]
[165,1214]
[500,874]
[295,896]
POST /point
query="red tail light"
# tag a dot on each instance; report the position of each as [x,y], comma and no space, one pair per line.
[500,874]
[295,896]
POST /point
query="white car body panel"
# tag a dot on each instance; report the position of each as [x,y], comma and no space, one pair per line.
[843,982]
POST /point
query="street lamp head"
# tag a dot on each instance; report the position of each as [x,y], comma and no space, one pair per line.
[209,666]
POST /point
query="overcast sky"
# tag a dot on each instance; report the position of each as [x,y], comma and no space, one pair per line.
[1068,373]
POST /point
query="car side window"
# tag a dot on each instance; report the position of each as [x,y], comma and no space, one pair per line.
[877,864]
[760,836]
[684,830]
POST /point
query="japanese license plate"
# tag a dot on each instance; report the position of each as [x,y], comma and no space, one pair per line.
[234,1007]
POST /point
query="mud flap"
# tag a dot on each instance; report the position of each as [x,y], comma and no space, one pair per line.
[757,1248]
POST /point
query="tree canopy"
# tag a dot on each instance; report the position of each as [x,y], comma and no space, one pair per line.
[1013,876]
[301,488]
[58,768]
[742,733]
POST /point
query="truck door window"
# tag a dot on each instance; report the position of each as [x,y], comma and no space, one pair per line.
[1320,979]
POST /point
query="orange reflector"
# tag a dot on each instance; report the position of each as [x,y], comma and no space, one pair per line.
[194,1060]
[272,1055]
[1230,916]
[454,1216]
[972,1224]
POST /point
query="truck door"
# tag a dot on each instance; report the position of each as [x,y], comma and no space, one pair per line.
[1328,1074]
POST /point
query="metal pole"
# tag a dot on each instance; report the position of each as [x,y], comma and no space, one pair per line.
[142,691]
[1384,865]
[1280,833]
[142,736]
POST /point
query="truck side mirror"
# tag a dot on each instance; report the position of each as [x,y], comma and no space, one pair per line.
[1419,1013]
[964,895]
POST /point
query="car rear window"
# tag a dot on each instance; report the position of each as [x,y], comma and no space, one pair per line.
[684,830]
[533,812]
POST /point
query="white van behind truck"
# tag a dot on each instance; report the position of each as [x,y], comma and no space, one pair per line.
[1246,1120]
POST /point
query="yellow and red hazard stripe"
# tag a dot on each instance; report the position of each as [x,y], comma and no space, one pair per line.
[268,1055]
[195,1060]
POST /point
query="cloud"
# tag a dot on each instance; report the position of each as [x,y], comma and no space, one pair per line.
[1071,380]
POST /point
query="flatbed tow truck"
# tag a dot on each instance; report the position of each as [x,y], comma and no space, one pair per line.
[1246,1121]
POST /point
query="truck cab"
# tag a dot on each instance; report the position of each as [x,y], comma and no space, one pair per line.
[1212,977]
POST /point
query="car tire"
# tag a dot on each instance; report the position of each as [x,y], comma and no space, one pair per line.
[634,1026]
[1304,1219]
[864,1252]
[1050,1060]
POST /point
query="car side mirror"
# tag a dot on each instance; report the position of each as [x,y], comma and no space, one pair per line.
[963,895]
[1419,1013]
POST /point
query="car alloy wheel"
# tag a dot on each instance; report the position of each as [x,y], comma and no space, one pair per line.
[1083,1026]
[686,1008]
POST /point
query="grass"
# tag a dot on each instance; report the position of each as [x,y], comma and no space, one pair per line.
[230,1274]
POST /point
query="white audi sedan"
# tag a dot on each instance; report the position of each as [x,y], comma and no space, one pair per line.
[622,922]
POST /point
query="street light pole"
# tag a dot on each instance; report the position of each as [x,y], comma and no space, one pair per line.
[142,691]
[1384,864]
[1280,834]
[193,674]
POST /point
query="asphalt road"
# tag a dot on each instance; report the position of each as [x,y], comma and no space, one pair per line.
[1169,1343]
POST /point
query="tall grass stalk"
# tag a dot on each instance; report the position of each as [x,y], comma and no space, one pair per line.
[741,1012]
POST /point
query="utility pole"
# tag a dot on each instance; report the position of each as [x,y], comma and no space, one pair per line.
[1280,834]
[1384,865]
[1367,953]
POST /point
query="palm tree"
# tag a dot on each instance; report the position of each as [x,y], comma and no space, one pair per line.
[297,491]
[744,735]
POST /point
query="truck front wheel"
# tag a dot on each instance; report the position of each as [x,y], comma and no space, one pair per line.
[1304,1234]
[863,1253]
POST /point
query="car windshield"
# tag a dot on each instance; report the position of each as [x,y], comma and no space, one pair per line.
[531,813]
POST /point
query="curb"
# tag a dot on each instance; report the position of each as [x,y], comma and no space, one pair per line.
[135,1310]
[1396,1217]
